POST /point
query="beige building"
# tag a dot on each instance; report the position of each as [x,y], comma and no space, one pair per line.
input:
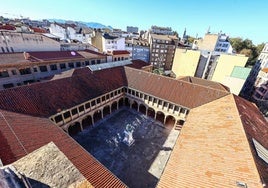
[185,62]
[226,64]
[213,42]
[26,42]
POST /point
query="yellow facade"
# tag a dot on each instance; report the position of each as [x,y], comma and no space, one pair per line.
[226,64]
[185,62]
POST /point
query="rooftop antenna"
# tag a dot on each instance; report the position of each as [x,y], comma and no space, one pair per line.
[208,31]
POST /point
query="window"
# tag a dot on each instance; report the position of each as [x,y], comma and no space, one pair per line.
[107,96]
[25,71]
[71,65]
[66,114]
[87,63]
[53,67]
[92,62]
[93,103]
[7,49]
[87,105]
[14,72]
[62,66]
[103,98]
[81,108]
[122,58]
[3,50]
[35,69]
[43,68]
[78,64]
[6,86]
[98,61]
[74,111]
[98,100]
[12,50]
[4,74]
[58,118]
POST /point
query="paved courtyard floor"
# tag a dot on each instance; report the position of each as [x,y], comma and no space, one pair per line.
[138,165]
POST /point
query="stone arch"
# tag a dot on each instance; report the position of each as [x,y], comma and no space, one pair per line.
[86,122]
[160,116]
[142,109]
[151,112]
[127,102]
[134,105]
[170,121]
[74,129]
[106,111]
[121,102]
[97,116]
[114,106]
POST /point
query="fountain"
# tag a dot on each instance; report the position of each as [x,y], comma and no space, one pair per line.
[128,139]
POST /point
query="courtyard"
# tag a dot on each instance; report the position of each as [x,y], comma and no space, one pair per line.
[138,165]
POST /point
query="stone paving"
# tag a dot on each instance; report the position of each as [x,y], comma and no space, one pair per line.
[139,165]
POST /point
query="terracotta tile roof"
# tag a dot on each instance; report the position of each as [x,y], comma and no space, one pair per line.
[212,150]
[38,30]
[13,59]
[138,64]
[120,52]
[177,91]
[256,127]
[55,55]
[8,27]
[94,52]
[46,98]
[22,134]
[265,70]
[206,83]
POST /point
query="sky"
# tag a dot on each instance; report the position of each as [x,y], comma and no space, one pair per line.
[236,18]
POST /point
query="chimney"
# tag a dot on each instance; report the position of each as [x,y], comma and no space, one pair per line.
[26,55]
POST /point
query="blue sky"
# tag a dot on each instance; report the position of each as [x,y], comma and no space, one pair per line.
[244,18]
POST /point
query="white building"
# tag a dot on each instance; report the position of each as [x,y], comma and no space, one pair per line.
[12,41]
[111,43]
[68,32]
[58,30]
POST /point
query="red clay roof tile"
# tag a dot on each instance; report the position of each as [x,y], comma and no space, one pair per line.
[21,134]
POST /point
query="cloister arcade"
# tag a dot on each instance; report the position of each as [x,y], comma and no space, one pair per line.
[90,112]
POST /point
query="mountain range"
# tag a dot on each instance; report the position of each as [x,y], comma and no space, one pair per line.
[88,24]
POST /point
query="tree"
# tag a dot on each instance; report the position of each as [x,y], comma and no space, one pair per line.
[191,39]
[260,47]
[247,48]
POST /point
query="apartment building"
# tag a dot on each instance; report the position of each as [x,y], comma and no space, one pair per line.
[213,42]
[138,49]
[131,29]
[257,75]
[162,50]
[11,41]
[106,42]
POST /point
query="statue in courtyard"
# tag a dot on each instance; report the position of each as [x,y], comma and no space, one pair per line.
[128,139]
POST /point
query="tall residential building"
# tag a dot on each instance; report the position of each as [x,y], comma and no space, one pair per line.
[161,30]
[12,41]
[131,29]
[214,42]
[257,75]
[162,48]
[138,49]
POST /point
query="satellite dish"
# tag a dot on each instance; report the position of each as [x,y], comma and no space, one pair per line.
[73,53]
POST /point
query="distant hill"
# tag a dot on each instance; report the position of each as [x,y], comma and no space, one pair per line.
[88,24]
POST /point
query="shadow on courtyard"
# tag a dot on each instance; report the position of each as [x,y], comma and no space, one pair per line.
[130,164]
